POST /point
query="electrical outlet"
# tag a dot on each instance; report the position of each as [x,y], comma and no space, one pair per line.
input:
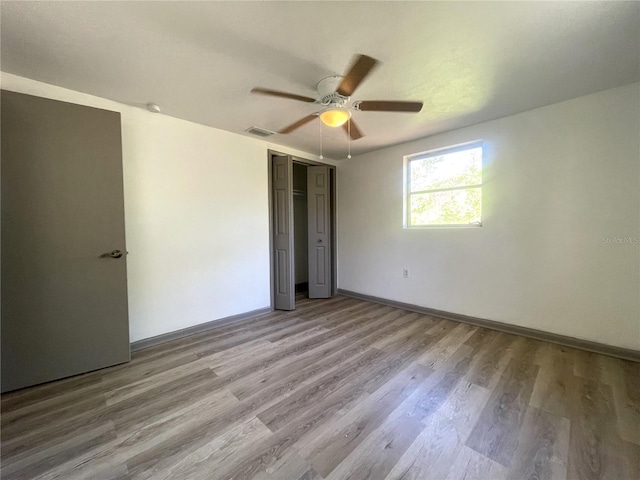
[405,273]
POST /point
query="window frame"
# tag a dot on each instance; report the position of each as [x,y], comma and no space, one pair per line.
[407,193]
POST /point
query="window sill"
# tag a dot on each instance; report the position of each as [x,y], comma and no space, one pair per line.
[423,227]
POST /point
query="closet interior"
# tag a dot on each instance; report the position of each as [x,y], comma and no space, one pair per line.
[300,230]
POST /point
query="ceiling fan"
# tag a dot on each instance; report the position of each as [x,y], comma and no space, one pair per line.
[334,94]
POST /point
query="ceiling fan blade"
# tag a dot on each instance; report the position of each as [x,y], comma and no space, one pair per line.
[298,124]
[389,106]
[276,93]
[355,131]
[357,73]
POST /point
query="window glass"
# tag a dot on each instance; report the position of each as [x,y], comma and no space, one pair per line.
[445,188]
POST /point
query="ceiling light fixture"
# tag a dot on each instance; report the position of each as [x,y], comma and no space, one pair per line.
[335,116]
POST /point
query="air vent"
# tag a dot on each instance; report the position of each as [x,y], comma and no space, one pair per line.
[260,132]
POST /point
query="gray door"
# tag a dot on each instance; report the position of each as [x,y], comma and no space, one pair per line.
[284,295]
[64,307]
[318,201]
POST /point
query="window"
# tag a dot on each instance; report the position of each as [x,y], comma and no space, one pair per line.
[444,187]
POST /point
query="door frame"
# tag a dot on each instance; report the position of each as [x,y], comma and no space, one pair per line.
[334,222]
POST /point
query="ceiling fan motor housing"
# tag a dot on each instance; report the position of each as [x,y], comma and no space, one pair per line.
[327,94]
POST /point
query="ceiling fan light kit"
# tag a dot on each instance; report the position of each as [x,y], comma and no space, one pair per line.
[335,116]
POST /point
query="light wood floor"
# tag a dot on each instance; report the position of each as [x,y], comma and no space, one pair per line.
[338,389]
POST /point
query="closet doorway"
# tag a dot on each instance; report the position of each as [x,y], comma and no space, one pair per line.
[303,233]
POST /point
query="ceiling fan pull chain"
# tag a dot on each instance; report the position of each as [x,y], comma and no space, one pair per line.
[349,136]
[321,157]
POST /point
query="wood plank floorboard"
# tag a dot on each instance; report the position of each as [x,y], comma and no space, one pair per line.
[498,428]
[336,389]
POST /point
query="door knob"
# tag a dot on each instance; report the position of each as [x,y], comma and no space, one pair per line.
[113,254]
[319,240]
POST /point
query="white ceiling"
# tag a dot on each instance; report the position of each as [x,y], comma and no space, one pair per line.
[467,61]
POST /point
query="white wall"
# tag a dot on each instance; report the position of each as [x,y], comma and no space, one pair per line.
[196,213]
[558,181]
